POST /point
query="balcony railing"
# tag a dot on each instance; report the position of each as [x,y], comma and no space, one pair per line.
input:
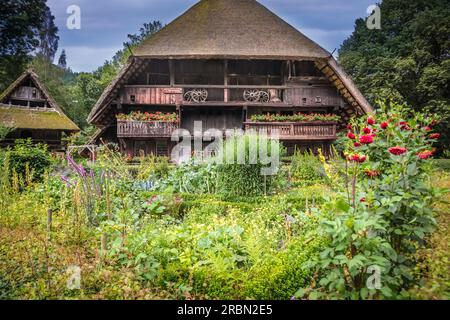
[315,130]
[142,129]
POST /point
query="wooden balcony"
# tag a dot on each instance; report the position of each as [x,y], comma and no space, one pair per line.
[233,95]
[142,129]
[315,130]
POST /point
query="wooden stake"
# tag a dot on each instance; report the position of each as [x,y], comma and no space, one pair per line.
[49,220]
[103,244]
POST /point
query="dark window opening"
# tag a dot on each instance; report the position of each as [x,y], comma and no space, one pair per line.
[161,148]
[199,72]
[305,69]
[26,134]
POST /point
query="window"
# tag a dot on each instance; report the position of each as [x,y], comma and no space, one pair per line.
[161,148]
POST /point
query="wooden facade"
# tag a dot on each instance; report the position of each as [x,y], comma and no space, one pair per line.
[222,77]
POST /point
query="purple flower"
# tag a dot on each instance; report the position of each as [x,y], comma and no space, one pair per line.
[78,168]
[67,181]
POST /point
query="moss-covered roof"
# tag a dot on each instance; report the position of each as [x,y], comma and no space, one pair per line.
[25,118]
[241,29]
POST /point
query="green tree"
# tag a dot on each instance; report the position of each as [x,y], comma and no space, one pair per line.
[48,38]
[62,61]
[20,23]
[407,60]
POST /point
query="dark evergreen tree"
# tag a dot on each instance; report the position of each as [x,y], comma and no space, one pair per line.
[48,38]
[62,61]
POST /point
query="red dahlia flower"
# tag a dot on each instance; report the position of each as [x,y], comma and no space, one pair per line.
[397,150]
[366,139]
[425,154]
[435,136]
[358,158]
[351,135]
[384,125]
[372,173]
[357,144]
[367,130]
[349,126]
[371,121]
[427,129]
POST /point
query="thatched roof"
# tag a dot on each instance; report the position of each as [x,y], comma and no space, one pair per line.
[234,29]
[231,29]
[52,118]
[26,118]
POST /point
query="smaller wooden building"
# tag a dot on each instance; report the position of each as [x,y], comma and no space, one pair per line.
[27,108]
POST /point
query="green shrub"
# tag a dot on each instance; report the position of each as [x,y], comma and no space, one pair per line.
[241,177]
[25,155]
[152,167]
[306,169]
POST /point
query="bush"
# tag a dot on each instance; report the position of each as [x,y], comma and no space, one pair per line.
[153,168]
[383,211]
[241,177]
[28,158]
[306,169]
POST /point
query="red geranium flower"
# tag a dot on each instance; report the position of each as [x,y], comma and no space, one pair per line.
[435,136]
[367,130]
[357,144]
[371,121]
[397,150]
[384,125]
[427,129]
[425,154]
[350,135]
[366,139]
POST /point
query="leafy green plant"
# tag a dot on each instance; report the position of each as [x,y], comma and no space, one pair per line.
[4,131]
[306,169]
[245,174]
[26,157]
[384,210]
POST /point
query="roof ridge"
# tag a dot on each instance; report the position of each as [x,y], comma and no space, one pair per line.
[230,29]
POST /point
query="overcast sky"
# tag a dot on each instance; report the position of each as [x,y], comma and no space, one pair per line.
[106,23]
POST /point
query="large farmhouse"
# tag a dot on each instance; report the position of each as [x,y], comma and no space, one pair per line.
[228,64]
[30,112]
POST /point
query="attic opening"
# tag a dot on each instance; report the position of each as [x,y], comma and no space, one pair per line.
[304,69]
[199,72]
[154,72]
